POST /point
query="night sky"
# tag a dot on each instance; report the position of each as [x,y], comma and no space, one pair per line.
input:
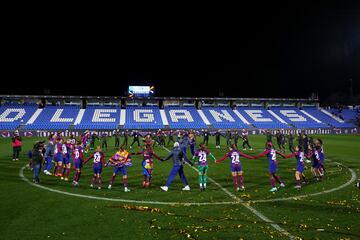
[277,51]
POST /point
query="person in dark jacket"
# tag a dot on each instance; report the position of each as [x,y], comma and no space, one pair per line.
[117,138]
[136,136]
[37,160]
[170,137]
[206,137]
[126,137]
[217,138]
[178,157]
[228,138]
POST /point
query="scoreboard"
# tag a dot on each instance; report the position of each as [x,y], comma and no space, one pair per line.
[141,91]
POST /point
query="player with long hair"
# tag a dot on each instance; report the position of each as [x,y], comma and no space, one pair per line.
[299,173]
[147,164]
[98,162]
[203,165]
[270,152]
[120,160]
[236,166]
[78,156]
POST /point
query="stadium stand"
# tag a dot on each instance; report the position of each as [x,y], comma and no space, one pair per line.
[54,118]
[99,117]
[259,117]
[223,117]
[327,118]
[12,115]
[143,118]
[346,114]
[138,116]
[184,118]
[297,117]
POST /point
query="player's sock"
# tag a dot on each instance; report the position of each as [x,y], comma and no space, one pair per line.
[235,181]
[60,171]
[304,178]
[48,166]
[99,181]
[298,182]
[272,182]
[147,184]
[55,170]
[200,179]
[93,180]
[204,179]
[125,182]
[112,179]
[241,180]
[277,178]
[144,181]
[78,176]
[67,172]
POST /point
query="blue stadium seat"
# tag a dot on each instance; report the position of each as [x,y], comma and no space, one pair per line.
[192,119]
[145,118]
[327,119]
[9,112]
[270,122]
[110,121]
[226,121]
[47,119]
[295,117]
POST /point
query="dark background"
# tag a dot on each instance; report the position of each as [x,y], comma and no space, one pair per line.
[253,51]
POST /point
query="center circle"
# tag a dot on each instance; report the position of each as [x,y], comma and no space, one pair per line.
[353,178]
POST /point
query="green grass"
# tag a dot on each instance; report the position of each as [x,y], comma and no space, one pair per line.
[28,212]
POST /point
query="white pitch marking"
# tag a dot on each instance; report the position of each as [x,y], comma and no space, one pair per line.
[238,200]
[353,178]
[253,210]
[21,174]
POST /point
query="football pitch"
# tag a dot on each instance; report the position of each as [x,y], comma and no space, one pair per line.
[54,209]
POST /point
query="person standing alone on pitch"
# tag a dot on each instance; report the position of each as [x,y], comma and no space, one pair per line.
[178,157]
[280,138]
[291,143]
[126,137]
[135,139]
[117,138]
[206,137]
[228,138]
[16,145]
[245,138]
[104,141]
[217,138]
[170,137]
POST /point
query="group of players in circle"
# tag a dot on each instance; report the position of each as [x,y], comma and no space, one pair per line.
[62,152]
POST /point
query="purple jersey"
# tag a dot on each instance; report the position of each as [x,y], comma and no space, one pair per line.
[58,148]
[78,153]
[65,150]
[271,155]
[234,157]
[273,163]
[319,155]
[202,155]
[299,161]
